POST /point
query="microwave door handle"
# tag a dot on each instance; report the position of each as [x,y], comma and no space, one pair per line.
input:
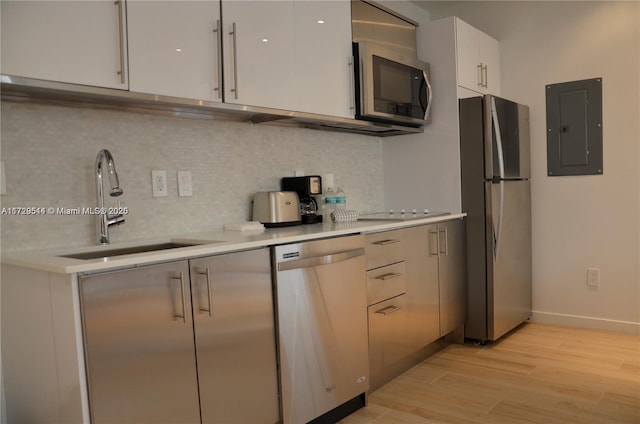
[430,95]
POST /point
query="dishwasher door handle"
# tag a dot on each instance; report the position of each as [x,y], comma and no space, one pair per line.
[320,260]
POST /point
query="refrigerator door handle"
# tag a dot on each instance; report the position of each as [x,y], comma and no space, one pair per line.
[497,230]
[496,127]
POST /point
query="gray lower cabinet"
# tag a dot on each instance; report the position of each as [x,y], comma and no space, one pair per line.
[387,313]
[452,275]
[387,335]
[430,302]
[422,285]
[187,341]
[436,279]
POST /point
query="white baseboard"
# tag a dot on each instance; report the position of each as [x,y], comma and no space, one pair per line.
[627,327]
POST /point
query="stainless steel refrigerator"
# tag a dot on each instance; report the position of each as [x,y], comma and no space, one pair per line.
[496,195]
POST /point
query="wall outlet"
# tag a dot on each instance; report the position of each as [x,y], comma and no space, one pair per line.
[159,183]
[184,183]
[593,277]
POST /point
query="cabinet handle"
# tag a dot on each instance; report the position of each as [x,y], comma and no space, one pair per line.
[485,76]
[119,5]
[218,34]
[437,238]
[207,274]
[184,299]
[386,242]
[480,80]
[234,33]
[446,241]
[388,310]
[352,84]
[388,276]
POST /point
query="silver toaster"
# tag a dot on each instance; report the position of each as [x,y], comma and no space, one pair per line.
[276,208]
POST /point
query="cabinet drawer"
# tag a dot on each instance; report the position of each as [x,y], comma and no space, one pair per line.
[386,282]
[388,341]
[384,249]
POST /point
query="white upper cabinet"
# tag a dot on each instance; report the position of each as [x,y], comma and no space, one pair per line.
[175,49]
[258,46]
[323,57]
[81,42]
[478,59]
[293,55]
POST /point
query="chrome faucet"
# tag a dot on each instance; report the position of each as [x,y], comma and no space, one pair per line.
[103,219]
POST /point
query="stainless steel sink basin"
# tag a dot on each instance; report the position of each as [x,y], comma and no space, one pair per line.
[131,250]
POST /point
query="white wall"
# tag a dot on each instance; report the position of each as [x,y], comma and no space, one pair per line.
[49,154]
[420,170]
[581,221]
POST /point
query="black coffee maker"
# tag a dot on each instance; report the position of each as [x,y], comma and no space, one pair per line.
[307,187]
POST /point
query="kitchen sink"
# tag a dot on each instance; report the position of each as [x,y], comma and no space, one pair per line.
[131,250]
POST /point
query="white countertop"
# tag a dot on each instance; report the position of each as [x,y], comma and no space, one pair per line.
[214,242]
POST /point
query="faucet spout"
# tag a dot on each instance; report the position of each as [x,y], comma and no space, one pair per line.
[103,219]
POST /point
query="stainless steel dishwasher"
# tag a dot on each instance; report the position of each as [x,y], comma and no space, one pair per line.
[322,323]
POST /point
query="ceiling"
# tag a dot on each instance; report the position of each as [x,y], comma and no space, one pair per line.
[431,6]
[435,6]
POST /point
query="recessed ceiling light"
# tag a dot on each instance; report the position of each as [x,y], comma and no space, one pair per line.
[320,21]
[178,50]
[264,40]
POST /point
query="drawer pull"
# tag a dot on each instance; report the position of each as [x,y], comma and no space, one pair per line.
[388,310]
[388,276]
[386,242]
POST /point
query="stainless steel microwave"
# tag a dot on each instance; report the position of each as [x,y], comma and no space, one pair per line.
[391,86]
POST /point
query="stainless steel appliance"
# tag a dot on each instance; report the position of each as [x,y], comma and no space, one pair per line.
[322,323]
[307,187]
[496,195]
[391,86]
[276,208]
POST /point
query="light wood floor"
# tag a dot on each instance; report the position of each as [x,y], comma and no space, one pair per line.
[538,374]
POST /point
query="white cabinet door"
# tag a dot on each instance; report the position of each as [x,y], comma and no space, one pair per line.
[258,45]
[80,42]
[478,60]
[468,51]
[490,58]
[174,48]
[324,74]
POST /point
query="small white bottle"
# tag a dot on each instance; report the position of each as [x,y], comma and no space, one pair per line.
[341,199]
[329,204]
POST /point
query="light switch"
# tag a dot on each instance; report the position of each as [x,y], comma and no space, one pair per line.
[184,184]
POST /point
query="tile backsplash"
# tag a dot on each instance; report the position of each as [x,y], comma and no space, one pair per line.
[49,154]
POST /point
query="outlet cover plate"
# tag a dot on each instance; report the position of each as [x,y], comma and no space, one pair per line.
[159,183]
